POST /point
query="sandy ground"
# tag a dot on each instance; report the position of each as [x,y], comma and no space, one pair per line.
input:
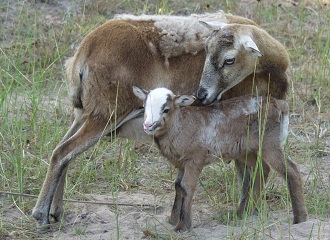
[142,215]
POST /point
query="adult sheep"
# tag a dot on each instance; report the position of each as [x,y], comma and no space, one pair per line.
[146,51]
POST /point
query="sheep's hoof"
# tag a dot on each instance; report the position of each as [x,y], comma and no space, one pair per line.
[41,218]
[57,214]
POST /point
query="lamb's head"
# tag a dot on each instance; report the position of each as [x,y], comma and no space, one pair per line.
[159,104]
[231,55]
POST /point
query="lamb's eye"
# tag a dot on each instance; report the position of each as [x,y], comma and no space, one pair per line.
[229,61]
[166,110]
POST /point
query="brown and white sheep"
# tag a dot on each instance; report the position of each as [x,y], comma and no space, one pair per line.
[148,51]
[241,128]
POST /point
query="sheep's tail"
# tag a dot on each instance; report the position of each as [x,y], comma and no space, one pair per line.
[75,75]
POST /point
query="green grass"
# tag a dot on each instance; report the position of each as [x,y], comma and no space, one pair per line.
[35,112]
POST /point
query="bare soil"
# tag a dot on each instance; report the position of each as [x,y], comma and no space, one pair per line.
[141,215]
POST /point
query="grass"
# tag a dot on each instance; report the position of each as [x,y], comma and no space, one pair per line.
[35,42]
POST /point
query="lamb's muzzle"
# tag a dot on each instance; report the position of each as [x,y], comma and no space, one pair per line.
[150,128]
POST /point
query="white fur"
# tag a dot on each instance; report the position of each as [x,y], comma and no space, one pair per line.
[180,35]
[253,106]
[154,102]
[213,25]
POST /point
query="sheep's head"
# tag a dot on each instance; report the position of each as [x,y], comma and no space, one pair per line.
[231,56]
[158,105]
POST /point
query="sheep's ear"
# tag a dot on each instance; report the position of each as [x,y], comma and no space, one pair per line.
[184,100]
[140,93]
[213,25]
[250,45]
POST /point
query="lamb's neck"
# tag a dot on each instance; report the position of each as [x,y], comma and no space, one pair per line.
[165,140]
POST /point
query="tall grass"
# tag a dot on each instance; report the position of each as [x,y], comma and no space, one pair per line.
[35,113]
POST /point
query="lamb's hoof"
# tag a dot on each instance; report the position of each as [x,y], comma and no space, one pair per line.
[300,219]
[182,227]
[172,220]
[255,212]
[240,213]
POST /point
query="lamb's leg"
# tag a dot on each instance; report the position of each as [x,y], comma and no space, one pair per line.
[289,171]
[179,192]
[56,209]
[243,175]
[84,138]
[188,186]
[260,178]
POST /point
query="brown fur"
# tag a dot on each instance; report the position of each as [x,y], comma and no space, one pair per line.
[193,137]
[112,58]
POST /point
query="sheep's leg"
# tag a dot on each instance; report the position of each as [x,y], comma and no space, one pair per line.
[56,209]
[188,186]
[179,192]
[84,138]
[289,171]
[244,173]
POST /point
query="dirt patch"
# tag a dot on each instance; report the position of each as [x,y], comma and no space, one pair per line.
[140,215]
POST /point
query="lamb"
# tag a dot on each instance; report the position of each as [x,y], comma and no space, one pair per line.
[242,47]
[148,51]
[191,137]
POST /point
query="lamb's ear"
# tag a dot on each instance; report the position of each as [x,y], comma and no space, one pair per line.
[213,25]
[184,100]
[250,45]
[140,93]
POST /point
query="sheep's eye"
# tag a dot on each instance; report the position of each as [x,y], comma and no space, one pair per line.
[229,61]
[166,110]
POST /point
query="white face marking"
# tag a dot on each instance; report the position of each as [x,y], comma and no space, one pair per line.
[154,108]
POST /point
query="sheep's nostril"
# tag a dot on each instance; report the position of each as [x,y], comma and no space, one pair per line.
[201,94]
